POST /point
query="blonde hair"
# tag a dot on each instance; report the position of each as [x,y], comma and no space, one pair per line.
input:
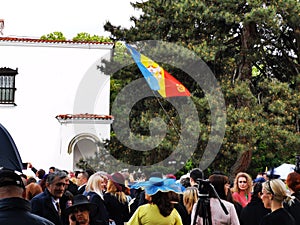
[190,197]
[94,184]
[277,188]
[112,189]
[236,179]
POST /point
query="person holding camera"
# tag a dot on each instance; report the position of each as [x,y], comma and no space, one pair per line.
[196,174]
[219,211]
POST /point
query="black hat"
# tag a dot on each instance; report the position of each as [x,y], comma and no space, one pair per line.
[9,177]
[81,200]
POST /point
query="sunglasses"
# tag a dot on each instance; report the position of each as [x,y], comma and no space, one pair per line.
[244,182]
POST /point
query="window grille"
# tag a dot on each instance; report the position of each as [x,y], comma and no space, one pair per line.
[7,85]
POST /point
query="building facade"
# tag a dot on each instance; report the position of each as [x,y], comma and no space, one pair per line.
[54,99]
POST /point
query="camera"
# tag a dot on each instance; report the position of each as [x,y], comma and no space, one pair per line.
[204,187]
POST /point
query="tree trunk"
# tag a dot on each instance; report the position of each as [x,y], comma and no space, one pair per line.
[248,37]
[242,164]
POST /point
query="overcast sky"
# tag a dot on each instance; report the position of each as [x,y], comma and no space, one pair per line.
[34,18]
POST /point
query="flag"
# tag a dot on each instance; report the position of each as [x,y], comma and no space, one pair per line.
[157,78]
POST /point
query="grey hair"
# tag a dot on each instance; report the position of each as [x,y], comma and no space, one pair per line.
[58,173]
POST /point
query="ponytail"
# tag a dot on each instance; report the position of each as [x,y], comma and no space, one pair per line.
[289,199]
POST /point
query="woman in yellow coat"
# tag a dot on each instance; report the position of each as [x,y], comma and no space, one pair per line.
[163,194]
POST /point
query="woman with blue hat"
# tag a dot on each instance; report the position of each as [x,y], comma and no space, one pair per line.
[163,194]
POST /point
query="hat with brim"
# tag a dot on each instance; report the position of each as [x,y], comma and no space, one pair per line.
[118,180]
[259,179]
[156,184]
[81,200]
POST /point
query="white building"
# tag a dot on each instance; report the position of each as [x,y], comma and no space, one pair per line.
[60,109]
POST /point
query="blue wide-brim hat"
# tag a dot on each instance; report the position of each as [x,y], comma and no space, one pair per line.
[156,184]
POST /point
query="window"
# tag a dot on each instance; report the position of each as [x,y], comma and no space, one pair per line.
[7,85]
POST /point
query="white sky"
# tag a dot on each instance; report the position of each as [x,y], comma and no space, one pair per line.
[34,18]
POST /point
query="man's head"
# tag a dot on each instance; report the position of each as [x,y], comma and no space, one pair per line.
[56,183]
[11,184]
[52,169]
[195,175]
[82,178]
[40,173]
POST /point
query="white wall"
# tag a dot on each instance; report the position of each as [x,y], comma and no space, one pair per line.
[47,84]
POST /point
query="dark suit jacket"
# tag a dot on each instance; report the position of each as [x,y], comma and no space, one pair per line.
[42,205]
[81,190]
[101,214]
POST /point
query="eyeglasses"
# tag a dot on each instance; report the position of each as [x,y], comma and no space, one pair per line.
[80,209]
[243,181]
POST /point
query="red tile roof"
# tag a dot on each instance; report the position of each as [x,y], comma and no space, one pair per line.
[74,118]
[18,41]
[36,40]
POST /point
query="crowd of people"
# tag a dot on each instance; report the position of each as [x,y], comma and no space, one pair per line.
[99,198]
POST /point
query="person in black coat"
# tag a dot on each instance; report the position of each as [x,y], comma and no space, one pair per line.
[273,195]
[115,199]
[254,211]
[293,182]
[94,192]
[47,204]
[82,211]
[82,179]
[14,209]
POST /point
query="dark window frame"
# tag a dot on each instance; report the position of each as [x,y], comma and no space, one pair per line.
[7,86]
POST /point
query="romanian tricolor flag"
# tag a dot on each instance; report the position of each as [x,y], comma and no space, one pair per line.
[157,78]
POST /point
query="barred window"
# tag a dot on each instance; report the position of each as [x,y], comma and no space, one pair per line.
[7,85]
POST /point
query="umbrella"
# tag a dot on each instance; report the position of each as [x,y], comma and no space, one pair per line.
[284,170]
[9,155]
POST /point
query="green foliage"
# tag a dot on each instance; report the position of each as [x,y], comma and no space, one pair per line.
[55,36]
[91,38]
[253,47]
[58,36]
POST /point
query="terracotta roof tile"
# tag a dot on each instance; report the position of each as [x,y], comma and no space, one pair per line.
[36,40]
[84,118]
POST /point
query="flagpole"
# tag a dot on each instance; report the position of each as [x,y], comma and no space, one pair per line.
[159,102]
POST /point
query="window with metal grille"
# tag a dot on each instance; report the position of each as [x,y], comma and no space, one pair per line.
[7,85]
